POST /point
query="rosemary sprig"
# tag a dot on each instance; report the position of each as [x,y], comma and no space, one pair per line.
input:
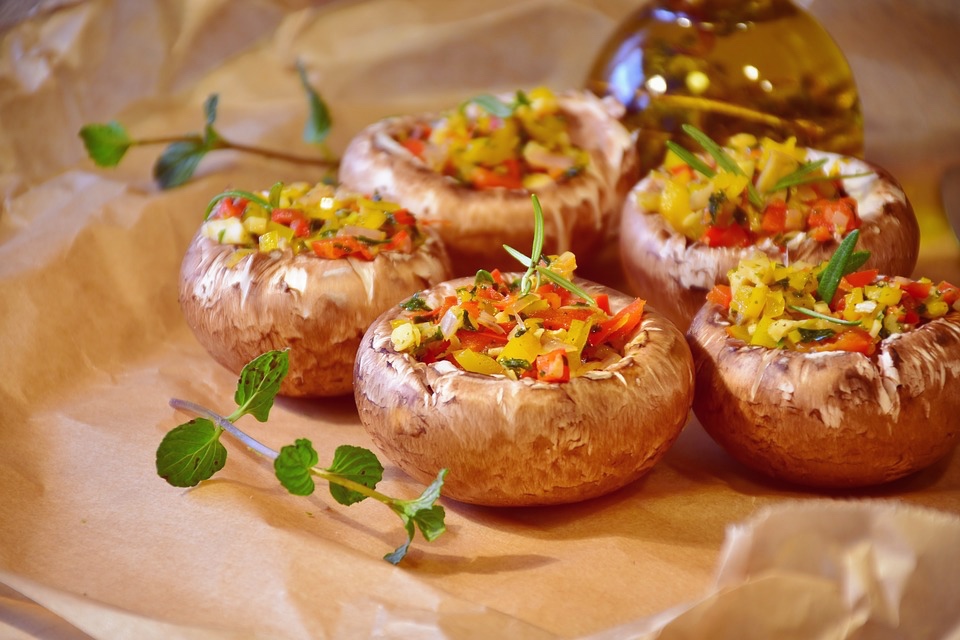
[837,267]
[823,316]
[532,262]
[724,160]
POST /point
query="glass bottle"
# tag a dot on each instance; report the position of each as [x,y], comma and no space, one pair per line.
[727,66]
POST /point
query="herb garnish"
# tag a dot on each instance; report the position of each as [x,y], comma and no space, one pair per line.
[837,267]
[192,452]
[534,268]
[800,176]
[106,144]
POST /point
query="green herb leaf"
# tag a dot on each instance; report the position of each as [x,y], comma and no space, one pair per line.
[178,162]
[521,99]
[236,193]
[274,197]
[492,105]
[358,465]
[423,513]
[798,176]
[830,277]
[515,363]
[259,384]
[483,277]
[857,259]
[415,303]
[723,160]
[190,453]
[691,159]
[319,123]
[106,144]
[293,467]
[823,316]
[211,138]
[815,335]
[556,278]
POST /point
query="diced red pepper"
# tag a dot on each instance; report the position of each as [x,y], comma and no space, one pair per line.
[552,367]
[562,318]
[721,295]
[858,279]
[230,208]
[854,339]
[400,241]
[414,146]
[774,218]
[828,217]
[404,217]
[481,340]
[507,175]
[918,290]
[625,321]
[730,236]
[603,302]
[341,247]
[948,292]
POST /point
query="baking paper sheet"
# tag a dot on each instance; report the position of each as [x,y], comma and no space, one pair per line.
[94,544]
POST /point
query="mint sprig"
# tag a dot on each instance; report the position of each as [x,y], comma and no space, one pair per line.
[108,143]
[192,452]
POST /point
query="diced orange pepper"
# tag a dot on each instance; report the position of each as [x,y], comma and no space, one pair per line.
[619,325]
[721,295]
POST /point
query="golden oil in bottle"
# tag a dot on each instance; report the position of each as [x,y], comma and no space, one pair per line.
[765,67]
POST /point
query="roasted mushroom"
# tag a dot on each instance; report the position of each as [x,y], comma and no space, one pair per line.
[308,269]
[682,231]
[535,398]
[859,391]
[470,172]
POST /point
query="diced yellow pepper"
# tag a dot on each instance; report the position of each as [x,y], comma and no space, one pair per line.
[675,203]
[255,225]
[749,301]
[936,309]
[269,241]
[475,362]
[774,304]
[761,335]
[525,346]
[405,336]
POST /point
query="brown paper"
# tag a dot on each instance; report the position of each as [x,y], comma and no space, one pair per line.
[94,544]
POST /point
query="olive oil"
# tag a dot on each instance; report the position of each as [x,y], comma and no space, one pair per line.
[727,66]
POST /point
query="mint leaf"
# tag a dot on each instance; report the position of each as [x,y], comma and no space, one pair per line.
[259,384]
[293,467]
[423,513]
[190,453]
[106,144]
[178,162]
[319,123]
[357,465]
[211,138]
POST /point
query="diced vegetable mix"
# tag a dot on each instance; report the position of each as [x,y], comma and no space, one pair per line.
[777,306]
[301,217]
[522,145]
[765,190]
[549,334]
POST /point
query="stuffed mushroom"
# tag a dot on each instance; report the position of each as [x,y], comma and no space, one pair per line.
[470,171]
[687,223]
[840,385]
[305,268]
[530,393]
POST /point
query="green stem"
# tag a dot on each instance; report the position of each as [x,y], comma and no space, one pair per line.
[227,425]
[227,144]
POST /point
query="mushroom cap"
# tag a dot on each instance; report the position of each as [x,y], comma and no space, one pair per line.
[473,223]
[676,274]
[317,308]
[518,442]
[831,419]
